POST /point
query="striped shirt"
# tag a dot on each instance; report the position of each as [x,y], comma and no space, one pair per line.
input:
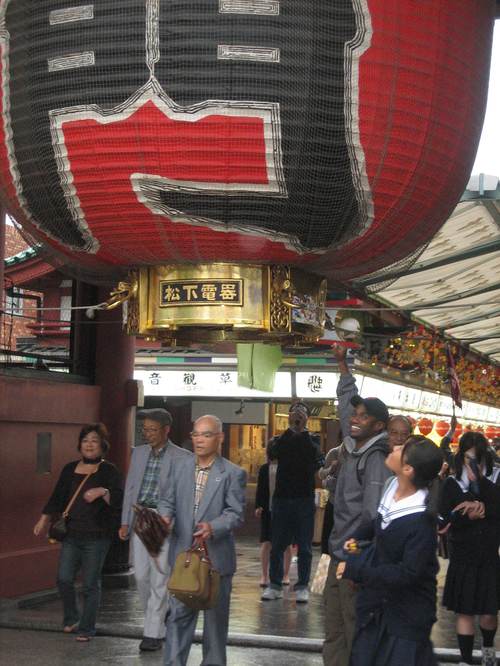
[201,478]
[149,493]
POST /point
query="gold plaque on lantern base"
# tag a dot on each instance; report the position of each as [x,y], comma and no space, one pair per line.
[215,302]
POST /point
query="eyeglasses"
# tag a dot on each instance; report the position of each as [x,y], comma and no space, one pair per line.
[151,430]
[204,435]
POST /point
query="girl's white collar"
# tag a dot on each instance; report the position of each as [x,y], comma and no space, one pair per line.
[391,509]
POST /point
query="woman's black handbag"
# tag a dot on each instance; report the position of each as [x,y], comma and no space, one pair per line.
[59,527]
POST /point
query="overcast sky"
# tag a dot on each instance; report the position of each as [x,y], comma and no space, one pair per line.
[488,154]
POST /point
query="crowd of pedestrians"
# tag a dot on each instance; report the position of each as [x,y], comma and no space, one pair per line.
[391,496]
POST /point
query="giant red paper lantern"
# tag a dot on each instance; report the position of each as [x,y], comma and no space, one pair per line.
[425,426]
[334,135]
[442,428]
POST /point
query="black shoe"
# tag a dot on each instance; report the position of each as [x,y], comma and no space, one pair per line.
[150,644]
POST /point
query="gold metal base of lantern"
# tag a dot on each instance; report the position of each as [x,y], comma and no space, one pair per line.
[215,302]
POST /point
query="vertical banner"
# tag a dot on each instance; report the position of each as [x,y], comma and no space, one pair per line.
[456,394]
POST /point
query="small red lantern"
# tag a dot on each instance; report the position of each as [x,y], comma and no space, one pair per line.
[442,428]
[425,426]
[458,429]
[491,431]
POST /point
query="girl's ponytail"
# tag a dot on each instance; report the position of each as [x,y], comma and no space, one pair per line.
[433,499]
[426,459]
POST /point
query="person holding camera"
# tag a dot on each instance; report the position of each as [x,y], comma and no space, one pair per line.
[299,457]
[470,510]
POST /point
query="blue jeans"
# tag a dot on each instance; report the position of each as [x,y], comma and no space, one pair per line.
[292,522]
[87,555]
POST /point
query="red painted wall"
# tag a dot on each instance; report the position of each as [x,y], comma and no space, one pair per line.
[27,407]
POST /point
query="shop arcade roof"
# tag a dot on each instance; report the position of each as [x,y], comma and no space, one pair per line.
[454,286]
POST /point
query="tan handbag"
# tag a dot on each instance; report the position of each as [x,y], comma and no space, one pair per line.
[194,582]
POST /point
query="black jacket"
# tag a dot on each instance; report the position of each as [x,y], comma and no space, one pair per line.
[106,516]
[398,575]
[299,458]
[472,541]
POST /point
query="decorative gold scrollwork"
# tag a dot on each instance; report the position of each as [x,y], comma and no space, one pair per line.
[123,292]
[279,310]
[133,322]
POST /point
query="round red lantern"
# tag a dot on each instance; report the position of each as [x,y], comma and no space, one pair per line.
[442,427]
[425,426]
[334,136]
[491,431]
[458,429]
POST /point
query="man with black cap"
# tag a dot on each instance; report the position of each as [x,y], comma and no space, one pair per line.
[149,468]
[359,485]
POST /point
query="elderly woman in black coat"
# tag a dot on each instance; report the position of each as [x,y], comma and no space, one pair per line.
[93,518]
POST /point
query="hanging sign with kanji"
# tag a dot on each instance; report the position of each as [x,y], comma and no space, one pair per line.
[200,292]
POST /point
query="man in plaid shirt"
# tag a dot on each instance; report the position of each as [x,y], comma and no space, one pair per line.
[149,466]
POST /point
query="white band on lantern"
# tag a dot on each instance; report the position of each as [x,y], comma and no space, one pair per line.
[252,53]
[71,61]
[71,14]
[260,7]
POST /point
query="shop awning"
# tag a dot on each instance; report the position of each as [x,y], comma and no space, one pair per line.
[454,286]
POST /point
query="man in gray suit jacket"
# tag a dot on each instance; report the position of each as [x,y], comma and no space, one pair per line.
[149,468]
[204,499]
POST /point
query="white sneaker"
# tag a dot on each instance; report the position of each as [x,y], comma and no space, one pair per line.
[270,594]
[302,596]
[489,657]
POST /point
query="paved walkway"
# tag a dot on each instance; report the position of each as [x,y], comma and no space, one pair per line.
[38,648]
[121,615]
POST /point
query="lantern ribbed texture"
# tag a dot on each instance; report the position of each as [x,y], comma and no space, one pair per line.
[333,135]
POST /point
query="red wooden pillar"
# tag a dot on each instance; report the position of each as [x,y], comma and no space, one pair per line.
[114,368]
[2,257]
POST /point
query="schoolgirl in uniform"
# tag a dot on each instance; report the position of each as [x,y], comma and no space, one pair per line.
[470,506]
[396,606]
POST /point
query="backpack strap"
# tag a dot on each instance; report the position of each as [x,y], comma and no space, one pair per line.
[361,464]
